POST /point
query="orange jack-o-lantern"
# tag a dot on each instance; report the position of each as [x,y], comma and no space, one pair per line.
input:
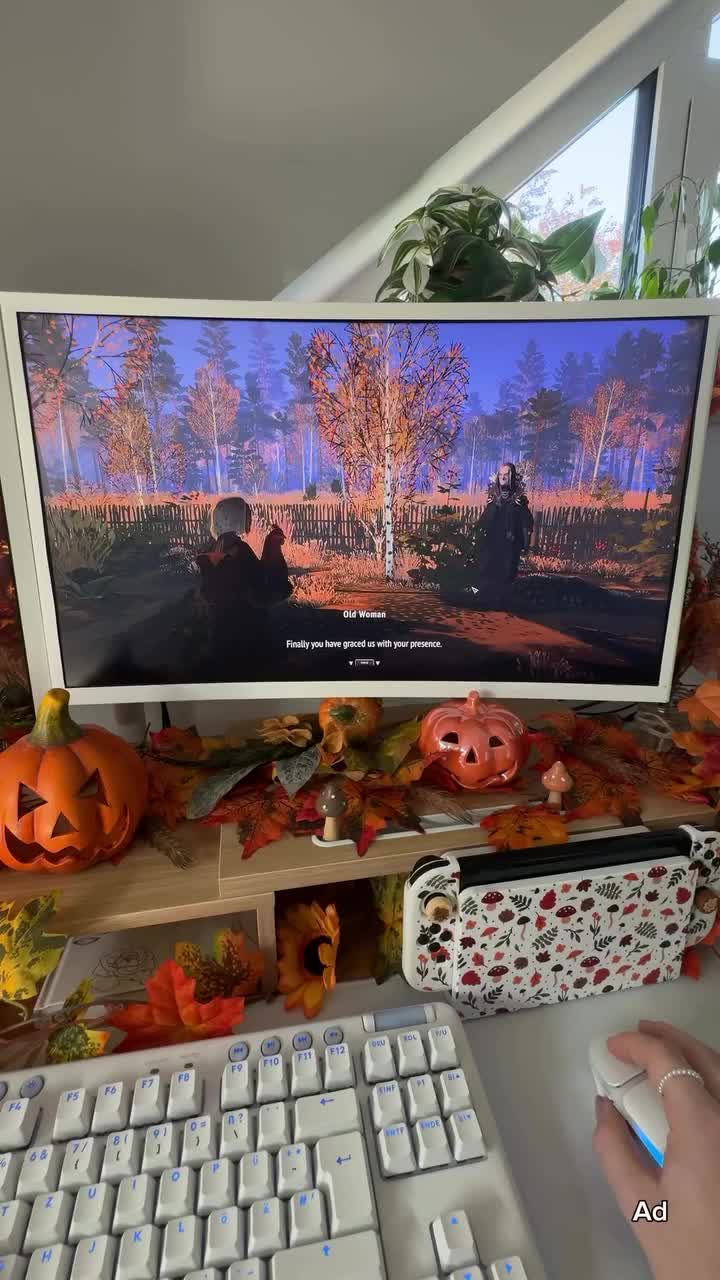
[482,743]
[70,795]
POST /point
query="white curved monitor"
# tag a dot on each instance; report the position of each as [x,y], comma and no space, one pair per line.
[242,500]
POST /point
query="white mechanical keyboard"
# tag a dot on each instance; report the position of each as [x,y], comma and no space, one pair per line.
[357,1150]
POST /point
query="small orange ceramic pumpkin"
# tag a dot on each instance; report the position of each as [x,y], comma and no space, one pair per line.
[359,718]
[482,743]
[70,795]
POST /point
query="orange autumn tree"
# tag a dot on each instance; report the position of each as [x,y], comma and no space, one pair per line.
[127,445]
[388,400]
[212,406]
[602,425]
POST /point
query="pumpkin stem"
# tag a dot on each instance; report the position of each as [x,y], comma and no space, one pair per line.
[54,726]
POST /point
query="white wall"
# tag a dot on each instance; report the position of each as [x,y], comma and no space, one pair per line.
[216,148]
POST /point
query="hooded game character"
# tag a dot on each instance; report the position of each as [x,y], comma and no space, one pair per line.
[240,590]
[504,529]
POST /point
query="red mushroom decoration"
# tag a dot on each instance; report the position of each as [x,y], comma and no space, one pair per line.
[482,744]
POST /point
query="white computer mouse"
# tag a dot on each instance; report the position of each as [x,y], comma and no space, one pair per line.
[631,1093]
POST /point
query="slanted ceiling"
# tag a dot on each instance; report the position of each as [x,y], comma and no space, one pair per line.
[217,148]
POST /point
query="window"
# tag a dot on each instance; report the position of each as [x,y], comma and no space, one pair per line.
[714,45]
[605,168]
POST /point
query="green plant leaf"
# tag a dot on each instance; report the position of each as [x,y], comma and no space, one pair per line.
[565,248]
[587,269]
[416,276]
[713,253]
[525,284]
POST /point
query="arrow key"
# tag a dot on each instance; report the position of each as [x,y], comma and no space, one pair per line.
[507,1269]
[470,1273]
[342,1173]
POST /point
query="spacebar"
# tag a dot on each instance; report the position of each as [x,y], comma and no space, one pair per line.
[347,1258]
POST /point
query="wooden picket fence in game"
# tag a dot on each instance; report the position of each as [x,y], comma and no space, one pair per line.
[577,533]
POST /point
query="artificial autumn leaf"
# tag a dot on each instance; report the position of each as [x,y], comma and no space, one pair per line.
[708,769]
[333,741]
[263,812]
[172,1015]
[594,795]
[177,744]
[395,744]
[76,1041]
[170,789]
[27,953]
[379,807]
[283,729]
[706,636]
[388,896]
[234,969]
[669,772]
[703,705]
[523,827]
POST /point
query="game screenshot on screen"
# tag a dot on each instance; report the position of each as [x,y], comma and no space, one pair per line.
[244,500]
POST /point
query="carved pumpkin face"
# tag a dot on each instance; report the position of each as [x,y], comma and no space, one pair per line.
[482,744]
[68,797]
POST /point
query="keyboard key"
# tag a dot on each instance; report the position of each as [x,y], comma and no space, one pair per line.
[217,1186]
[387,1104]
[17,1123]
[431,1143]
[341,1171]
[396,1150]
[338,1067]
[253,1269]
[135,1203]
[411,1054]
[454,1095]
[182,1246]
[454,1242]
[31,1087]
[207,1273]
[139,1254]
[95,1258]
[14,1216]
[273,1126]
[176,1195]
[422,1101]
[326,1114]
[305,1074]
[40,1172]
[302,1040]
[199,1143]
[185,1094]
[378,1059]
[294,1171]
[162,1148]
[10,1166]
[470,1273]
[49,1221]
[334,1035]
[256,1179]
[466,1136]
[272,1081]
[443,1053]
[266,1228]
[271,1045]
[112,1108]
[52,1263]
[239,1051]
[507,1269]
[236,1134]
[225,1237]
[122,1156]
[307,1218]
[148,1101]
[12,1267]
[93,1212]
[237,1086]
[73,1115]
[81,1166]
[348,1258]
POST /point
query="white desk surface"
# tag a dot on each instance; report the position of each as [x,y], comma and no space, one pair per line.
[535,1068]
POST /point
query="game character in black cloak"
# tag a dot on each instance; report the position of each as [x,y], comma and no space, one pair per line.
[504,529]
[240,590]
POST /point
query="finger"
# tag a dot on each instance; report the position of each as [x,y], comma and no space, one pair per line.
[626,1167]
[681,1094]
[700,1057]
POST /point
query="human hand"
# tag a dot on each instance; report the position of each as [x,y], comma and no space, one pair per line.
[688,1244]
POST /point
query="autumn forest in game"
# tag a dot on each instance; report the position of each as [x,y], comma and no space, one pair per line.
[245,500]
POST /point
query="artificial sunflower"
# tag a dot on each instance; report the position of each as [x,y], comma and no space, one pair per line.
[308,941]
[279,729]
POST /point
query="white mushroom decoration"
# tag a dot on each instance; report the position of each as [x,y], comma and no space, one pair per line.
[557,782]
[331,803]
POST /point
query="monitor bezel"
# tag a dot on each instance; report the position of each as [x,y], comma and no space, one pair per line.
[24,504]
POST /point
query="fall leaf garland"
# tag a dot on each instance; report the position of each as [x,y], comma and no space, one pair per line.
[172,1015]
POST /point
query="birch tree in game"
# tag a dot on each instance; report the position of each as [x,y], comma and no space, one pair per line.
[389,400]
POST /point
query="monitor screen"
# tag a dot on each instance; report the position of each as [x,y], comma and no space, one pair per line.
[487,503]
